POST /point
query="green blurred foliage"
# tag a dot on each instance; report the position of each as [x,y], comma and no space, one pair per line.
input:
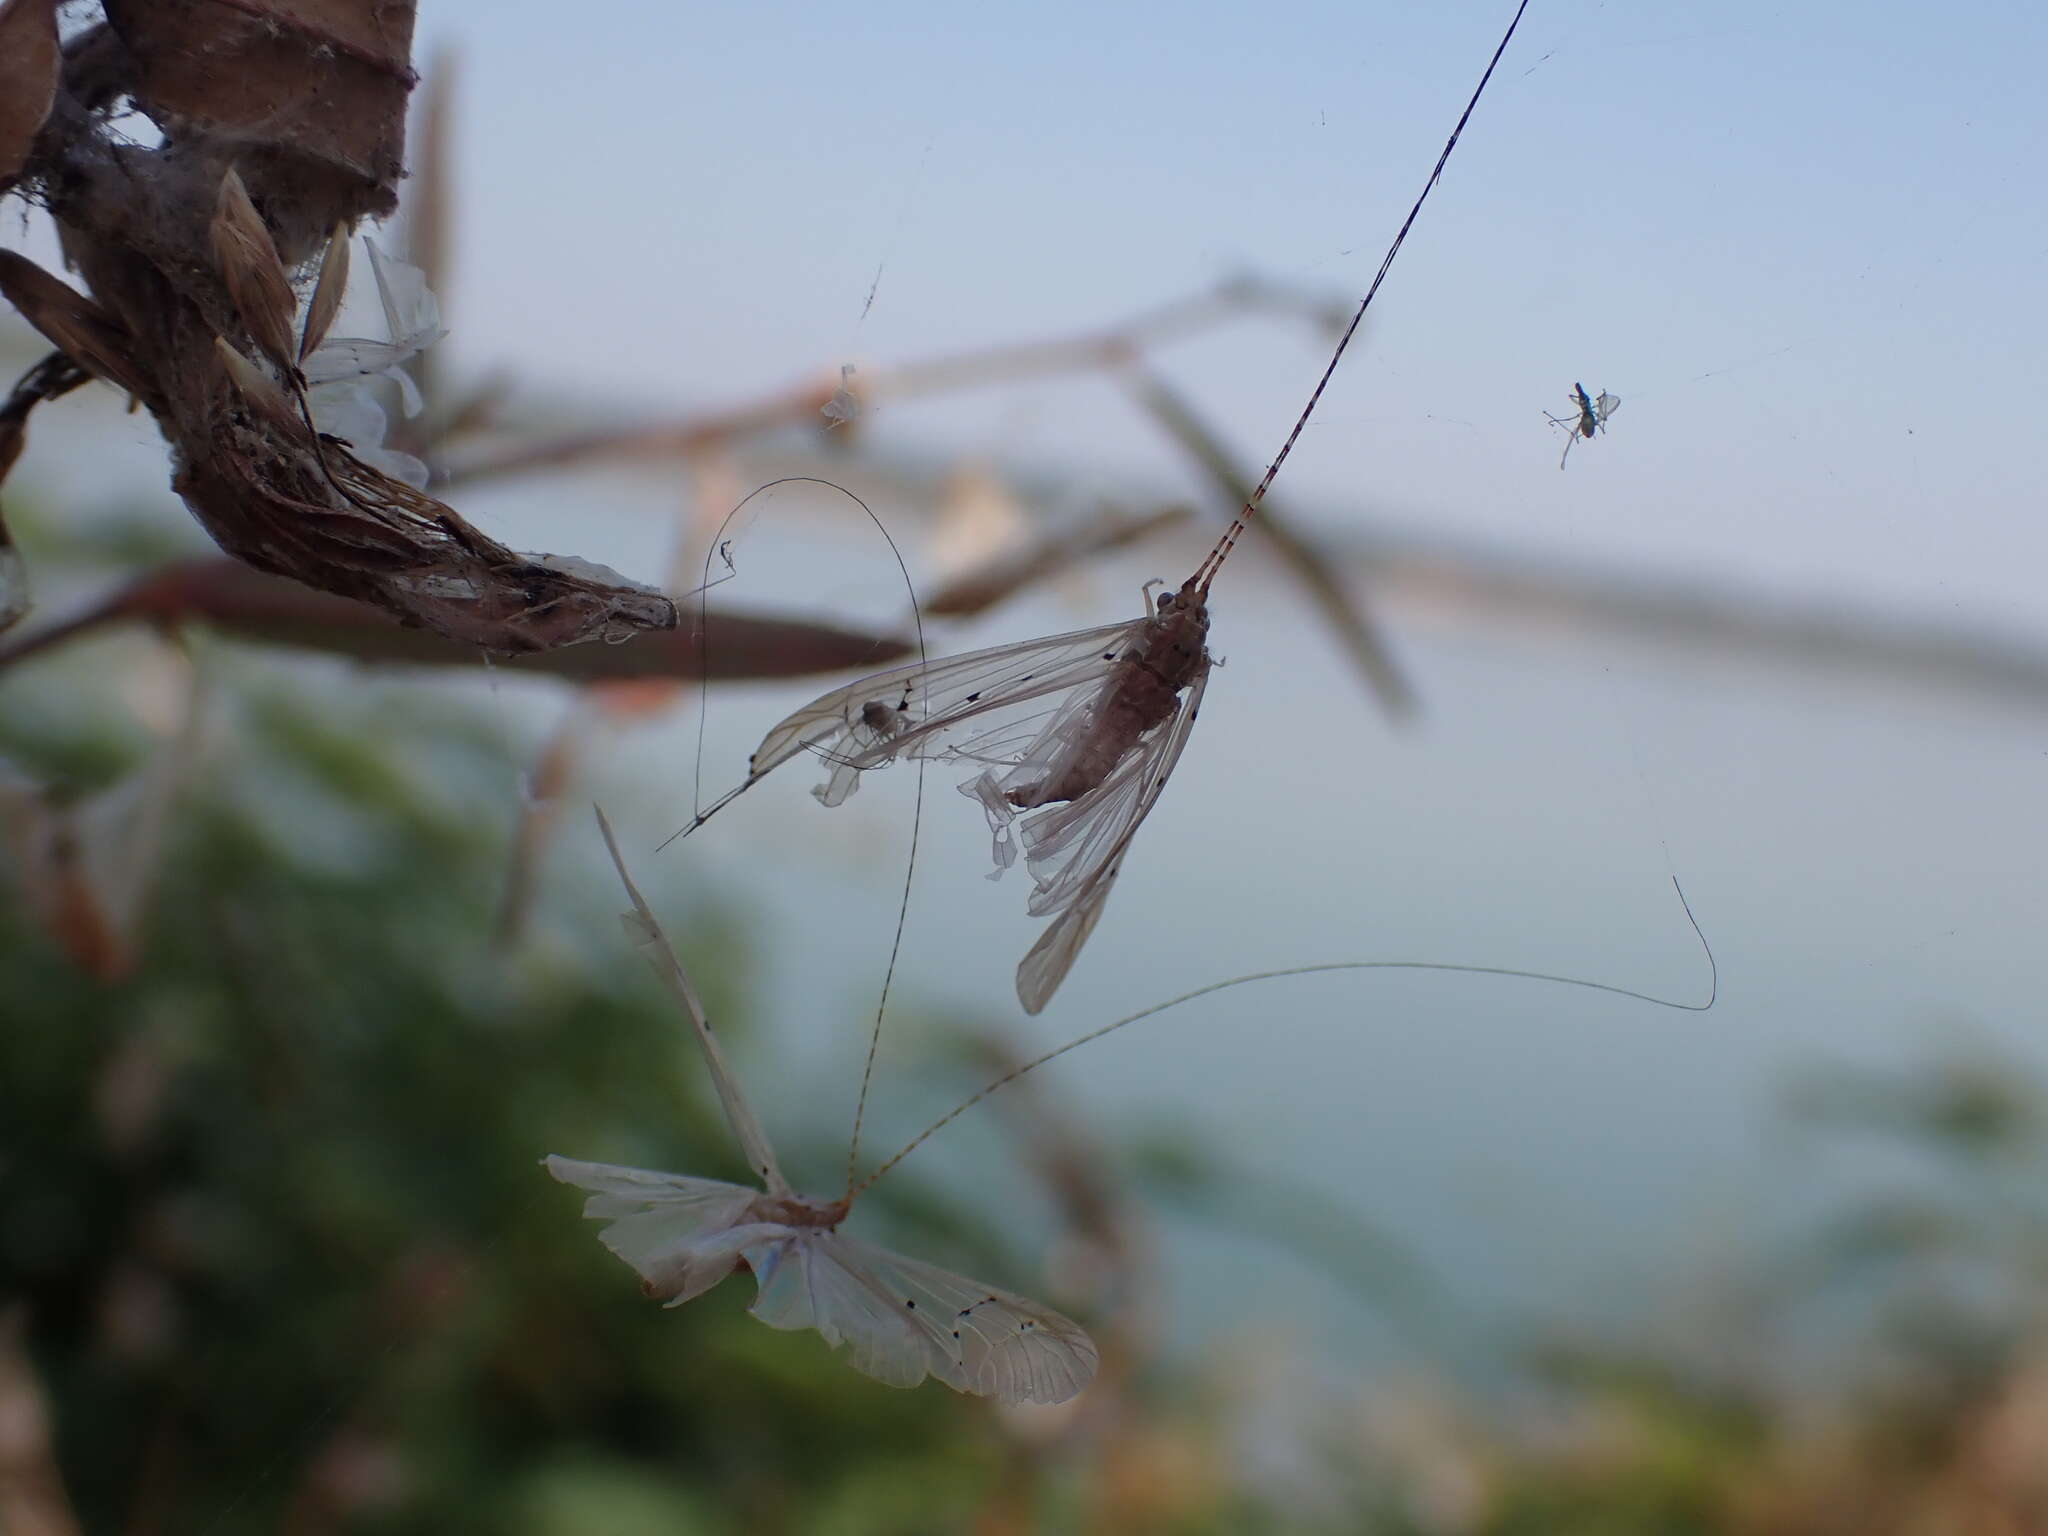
[275,1238]
[274,1207]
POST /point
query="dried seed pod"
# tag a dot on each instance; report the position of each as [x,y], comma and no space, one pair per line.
[29,63]
[254,273]
[258,387]
[86,333]
[327,292]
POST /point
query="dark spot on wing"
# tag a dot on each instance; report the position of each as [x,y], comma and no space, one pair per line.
[908,1302]
[972,697]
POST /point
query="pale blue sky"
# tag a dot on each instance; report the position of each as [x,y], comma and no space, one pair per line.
[1832,209]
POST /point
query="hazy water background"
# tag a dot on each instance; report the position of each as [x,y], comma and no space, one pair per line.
[1804,250]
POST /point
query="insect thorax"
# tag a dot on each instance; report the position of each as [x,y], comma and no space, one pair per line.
[1172,643]
[797,1211]
[1152,672]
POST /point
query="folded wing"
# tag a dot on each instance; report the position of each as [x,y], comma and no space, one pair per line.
[902,1320]
[917,710]
[675,1230]
[1075,850]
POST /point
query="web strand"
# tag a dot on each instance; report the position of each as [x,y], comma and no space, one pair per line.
[704,813]
[1206,572]
[998,1084]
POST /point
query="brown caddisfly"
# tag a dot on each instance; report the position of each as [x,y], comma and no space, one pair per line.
[1074,735]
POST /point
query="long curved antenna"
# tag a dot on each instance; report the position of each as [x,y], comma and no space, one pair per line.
[1206,571]
[668,965]
[867,1070]
[917,810]
[701,813]
[1713,994]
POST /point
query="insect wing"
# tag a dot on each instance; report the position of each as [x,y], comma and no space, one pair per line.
[1605,407]
[1075,850]
[646,932]
[923,701]
[902,1320]
[682,1234]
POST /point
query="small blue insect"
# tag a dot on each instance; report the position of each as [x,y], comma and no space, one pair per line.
[1592,417]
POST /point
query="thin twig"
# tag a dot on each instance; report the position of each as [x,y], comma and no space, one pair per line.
[1346,612]
[1102,348]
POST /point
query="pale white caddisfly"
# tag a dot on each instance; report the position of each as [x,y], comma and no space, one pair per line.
[1590,417]
[900,1319]
[1080,730]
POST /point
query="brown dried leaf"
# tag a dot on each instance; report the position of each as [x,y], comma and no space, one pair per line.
[255,278]
[29,61]
[86,333]
[86,867]
[261,390]
[231,597]
[327,291]
[16,595]
[326,78]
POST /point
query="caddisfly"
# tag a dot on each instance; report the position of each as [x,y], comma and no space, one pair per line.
[1592,417]
[1081,730]
[901,1319]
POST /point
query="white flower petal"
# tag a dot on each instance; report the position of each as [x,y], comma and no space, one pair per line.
[410,308]
[398,466]
[347,410]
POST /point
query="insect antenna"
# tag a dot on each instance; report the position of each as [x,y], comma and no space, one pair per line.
[867,1069]
[719,548]
[1213,562]
[999,1083]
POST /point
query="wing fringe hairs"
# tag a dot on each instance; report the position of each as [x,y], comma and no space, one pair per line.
[900,1319]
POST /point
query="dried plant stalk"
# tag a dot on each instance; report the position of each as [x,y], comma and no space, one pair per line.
[29,59]
[297,108]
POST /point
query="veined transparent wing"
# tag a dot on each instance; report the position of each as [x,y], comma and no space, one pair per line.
[1605,407]
[1075,850]
[902,1320]
[912,710]
[675,1230]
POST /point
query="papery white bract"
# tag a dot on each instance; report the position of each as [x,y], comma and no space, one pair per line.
[341,371]
[900,1319]
[1082,730]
